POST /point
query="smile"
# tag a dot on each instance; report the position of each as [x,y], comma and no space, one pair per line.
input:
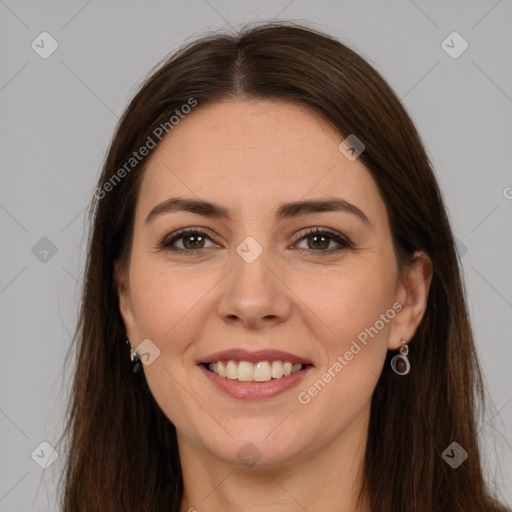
[262,371]
[254,375]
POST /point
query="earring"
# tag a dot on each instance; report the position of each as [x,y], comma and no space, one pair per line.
[135,359]
[400,362]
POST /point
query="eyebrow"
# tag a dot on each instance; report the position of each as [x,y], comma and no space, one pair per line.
[285,210]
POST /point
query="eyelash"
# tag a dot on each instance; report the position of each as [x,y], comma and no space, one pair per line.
[166,243]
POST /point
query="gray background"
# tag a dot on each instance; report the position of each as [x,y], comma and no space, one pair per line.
[57,116]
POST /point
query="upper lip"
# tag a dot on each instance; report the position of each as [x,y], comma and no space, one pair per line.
[240,354]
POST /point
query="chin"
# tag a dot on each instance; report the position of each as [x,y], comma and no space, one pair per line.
[256,448]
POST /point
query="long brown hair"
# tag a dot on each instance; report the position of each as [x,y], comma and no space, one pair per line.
[121,449]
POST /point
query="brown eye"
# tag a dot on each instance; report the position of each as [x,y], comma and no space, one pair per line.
[193,241]
[190,239]
[320,240]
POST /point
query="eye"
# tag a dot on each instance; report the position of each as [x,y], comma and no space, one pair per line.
[322,238]
[192,240]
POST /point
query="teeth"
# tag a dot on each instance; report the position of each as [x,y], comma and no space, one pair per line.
[297,367]
[277,369]
[231,370]
[221,369]
[245,371]
[263,371]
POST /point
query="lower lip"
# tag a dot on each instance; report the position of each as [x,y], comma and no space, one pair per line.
[254,390]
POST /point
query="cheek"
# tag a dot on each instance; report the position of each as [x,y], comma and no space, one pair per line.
[166,298]
[357,306]
[351,300]
[166,304]
[358,310]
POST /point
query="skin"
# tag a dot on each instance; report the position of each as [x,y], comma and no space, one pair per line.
[251,156]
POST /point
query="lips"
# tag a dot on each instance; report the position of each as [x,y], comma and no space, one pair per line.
[254,375]
[257,356]
[254,390]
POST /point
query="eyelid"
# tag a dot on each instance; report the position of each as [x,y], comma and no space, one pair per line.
[166,243]
[342,240]
[319,229]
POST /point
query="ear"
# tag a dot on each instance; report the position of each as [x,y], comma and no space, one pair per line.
[122,283]
[412,293]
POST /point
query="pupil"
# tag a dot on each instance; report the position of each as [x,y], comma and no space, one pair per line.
[316,237]
[190,237]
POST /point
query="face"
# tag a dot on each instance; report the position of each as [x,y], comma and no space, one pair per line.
[257,286]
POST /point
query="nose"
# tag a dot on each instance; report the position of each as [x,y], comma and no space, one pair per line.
[255,295]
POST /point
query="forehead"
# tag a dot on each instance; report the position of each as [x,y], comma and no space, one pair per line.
[254,155]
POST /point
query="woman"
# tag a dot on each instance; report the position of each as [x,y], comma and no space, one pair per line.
[269,241]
